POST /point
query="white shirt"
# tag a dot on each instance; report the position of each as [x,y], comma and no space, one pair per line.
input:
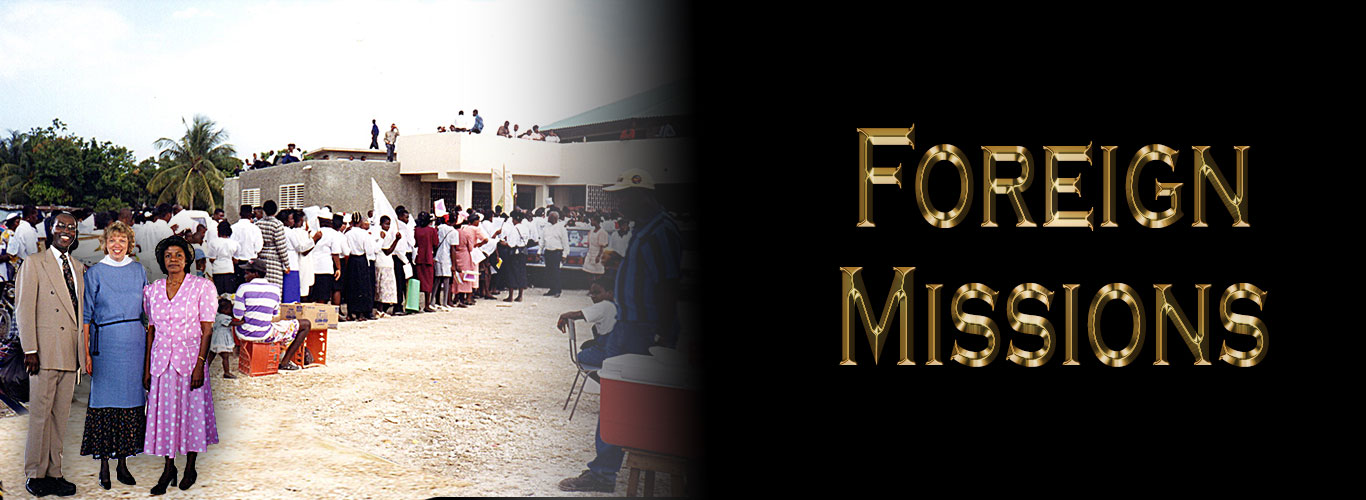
[556,236]
[538,225]
[299,242]
[552,138]
[514,235]
[24,242]
[358,242]
[248,238]
[463,121]
[220,252]
[408,243]
[446,237]
[383,259]
[158,230]
[331,243]
[619,243]
[602,315]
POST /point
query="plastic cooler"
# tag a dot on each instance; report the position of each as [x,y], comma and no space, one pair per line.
[649,404]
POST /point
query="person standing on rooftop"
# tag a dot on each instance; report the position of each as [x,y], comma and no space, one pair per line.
[390,138]
[374,135]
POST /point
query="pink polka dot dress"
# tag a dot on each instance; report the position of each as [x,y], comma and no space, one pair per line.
[179,420]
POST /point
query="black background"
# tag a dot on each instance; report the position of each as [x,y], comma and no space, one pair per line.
[779,177]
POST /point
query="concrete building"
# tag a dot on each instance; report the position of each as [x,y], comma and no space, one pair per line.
[342,184]
[459,168]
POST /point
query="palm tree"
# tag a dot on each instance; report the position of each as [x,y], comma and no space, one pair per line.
[16,166]
[190,166]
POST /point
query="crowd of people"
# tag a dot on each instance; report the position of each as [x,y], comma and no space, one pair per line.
[147,333]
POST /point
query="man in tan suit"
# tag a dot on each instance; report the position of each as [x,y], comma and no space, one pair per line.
[49,311]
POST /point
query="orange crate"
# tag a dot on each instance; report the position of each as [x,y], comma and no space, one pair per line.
[259,358]
[316,344]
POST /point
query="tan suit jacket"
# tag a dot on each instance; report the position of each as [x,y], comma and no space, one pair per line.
[45,315]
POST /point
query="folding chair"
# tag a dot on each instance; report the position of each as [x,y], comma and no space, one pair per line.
[582,370]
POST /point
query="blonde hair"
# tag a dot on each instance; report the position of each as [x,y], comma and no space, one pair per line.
[117,227]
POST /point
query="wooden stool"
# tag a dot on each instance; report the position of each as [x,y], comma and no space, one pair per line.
[638,460]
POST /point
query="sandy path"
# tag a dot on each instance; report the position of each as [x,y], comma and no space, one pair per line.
[466,402]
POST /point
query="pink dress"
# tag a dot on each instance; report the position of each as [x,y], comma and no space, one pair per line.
[179,420]
[463,260]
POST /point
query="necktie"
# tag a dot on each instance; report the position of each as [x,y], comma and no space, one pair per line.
[70,282]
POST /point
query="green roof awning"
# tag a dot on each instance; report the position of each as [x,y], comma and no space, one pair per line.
[667,100]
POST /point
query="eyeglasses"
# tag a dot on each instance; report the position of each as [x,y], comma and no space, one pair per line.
[64,226]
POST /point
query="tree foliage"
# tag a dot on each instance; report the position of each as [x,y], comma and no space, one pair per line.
[53,166]
[193,168]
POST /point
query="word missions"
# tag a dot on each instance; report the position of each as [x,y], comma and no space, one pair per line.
[1196,335]
[854,300]
[1235,200]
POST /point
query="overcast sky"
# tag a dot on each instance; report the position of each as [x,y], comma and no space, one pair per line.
[315,73]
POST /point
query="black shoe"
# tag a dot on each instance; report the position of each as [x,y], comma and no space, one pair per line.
[167,478]
[588,481]
[288,365]
[547,294]
[37,486]
[104,479]
[188,481]
[61,487]
[124,476]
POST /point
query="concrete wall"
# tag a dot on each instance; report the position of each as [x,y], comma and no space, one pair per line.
[345,185]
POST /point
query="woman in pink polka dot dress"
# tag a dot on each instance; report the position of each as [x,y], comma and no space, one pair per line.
[180,418]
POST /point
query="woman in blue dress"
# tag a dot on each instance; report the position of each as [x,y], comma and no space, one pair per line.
[116,421]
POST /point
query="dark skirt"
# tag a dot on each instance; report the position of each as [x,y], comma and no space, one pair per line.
[321,291]
[513,269]
[360,286]
[114,432]
[225,283]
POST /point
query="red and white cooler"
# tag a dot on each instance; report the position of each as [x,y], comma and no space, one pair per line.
[650,403]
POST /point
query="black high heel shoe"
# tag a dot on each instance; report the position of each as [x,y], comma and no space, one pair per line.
[125,477]
[190,476]
[104,479]
[160,488]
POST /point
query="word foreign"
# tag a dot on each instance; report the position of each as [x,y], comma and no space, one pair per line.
[1234,198]
[854,300]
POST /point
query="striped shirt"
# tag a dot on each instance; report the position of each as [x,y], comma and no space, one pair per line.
[256,304]
[655,255]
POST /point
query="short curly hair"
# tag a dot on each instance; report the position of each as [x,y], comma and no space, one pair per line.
[176,241]
[116,227]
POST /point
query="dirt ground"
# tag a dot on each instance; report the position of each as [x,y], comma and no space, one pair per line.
[459,403]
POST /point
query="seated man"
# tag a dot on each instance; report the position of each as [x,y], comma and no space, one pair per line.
[602,315]
[256,304]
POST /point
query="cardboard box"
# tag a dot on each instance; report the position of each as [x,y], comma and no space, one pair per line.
[322,316]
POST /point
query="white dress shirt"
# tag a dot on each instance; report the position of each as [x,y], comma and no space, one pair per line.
[24,242]
[556,236]
[248,238]
[221,251]
[299,242]
[358,242]
[514,235]
[331,243]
